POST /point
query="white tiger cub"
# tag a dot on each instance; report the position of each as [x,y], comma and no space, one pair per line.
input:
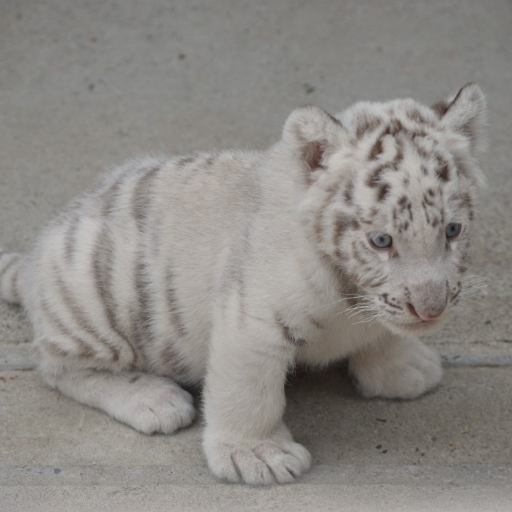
[346,239]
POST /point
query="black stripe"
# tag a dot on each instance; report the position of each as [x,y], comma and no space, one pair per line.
[173,305]
[70,239]
[143,334]
[234,270]
[341,224]
[79,316]
[85,350]
[287,334]
[110,196]
[316,323]
[331,193]
[141,197]
[53,348]
[185,160]
[102,272]
[173,362]
[385,296]
[374,284]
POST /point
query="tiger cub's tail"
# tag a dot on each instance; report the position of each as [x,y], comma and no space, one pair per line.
[10,274]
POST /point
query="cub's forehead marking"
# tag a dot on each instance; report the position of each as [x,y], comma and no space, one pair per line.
[374,177]
[394,123]
[403,215]
[414,114]
[377,149]
[348,193]
[444,173]
[383,192]
[367,124]
[405,149]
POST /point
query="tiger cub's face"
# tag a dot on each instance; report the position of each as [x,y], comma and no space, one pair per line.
[390,195]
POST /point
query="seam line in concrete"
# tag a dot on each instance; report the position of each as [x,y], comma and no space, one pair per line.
[19,358]
[91,475]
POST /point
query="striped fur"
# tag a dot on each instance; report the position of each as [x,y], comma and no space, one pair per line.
[227,268]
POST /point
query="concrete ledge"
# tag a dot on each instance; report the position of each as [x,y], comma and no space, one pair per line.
[22,357]
[17,357]
[343,474]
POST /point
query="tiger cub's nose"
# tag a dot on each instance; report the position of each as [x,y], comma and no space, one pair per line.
[425,315]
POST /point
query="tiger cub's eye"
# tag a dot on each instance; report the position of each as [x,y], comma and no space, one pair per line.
[452,230]
[381,240]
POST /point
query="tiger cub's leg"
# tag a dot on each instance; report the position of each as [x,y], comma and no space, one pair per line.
[148,403]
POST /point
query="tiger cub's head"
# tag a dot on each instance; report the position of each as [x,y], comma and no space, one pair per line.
[389,197]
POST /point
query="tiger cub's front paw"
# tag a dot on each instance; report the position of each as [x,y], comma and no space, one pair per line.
[275,460]
[402,369]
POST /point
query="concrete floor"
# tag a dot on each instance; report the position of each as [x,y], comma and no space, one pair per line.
[87,84]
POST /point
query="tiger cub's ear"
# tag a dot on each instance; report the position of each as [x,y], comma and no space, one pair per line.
[313,133]
[466,114]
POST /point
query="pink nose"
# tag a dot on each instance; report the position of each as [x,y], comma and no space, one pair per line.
[424,316]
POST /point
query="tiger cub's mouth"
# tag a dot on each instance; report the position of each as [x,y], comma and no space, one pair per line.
[416,327]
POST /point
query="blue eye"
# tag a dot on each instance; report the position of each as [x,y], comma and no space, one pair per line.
[452,230]
[381,240]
